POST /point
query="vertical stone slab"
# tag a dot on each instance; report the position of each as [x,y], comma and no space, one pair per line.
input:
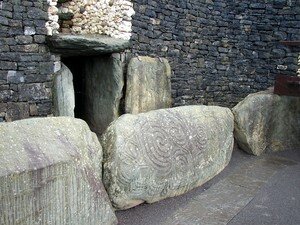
[51,173]
[64,96]
[148,85]
[104,86]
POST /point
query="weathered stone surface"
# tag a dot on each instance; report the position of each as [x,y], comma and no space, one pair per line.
[50,173]
[148,85]
[70,45]
[252,117]
[17,111]
[64,96]
[264,121]
[241,53]
[104,85]
[164,153]
[284,131]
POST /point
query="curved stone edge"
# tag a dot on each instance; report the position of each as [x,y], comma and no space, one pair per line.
[266,122]
[63,92]
[250,130]
[109,141]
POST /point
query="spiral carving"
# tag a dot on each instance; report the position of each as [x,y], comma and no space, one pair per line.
[163,145]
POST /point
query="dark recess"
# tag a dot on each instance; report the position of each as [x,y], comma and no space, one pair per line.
[76,65]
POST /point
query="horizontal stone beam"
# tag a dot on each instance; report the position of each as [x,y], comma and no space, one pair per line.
[76,45]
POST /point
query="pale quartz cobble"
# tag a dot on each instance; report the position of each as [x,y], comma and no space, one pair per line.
[105,17]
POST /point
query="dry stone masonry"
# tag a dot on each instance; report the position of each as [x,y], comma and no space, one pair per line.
[51,173]
[107,17]
[219,51]
[165,153]
[26,64]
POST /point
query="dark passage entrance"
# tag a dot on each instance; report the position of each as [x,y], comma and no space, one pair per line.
[77,67]
[98,84]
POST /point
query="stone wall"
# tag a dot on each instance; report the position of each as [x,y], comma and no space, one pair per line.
[219,51]
[26,64]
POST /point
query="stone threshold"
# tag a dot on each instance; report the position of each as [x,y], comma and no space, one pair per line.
[85,45]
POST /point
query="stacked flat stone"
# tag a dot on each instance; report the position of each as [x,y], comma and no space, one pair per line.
[26,64]
[107,17]
[218,53]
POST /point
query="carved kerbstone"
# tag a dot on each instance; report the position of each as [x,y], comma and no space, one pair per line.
[50,173]
[164,153]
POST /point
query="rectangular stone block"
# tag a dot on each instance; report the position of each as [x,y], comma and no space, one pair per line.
[5,65]
[17,111]
[50,173]
[148,85]
[34,92]
[15,77]
[8,96]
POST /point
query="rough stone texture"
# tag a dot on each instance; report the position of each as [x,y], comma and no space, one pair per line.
[164,153]
[64,96]
[219,51]
[104,85]
[148,85]
[267,122]
[106,17]
[252,117]
[26,64]
[70,45]
[50,173]
[284,128]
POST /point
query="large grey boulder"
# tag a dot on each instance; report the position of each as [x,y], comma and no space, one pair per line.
[164,153]
[64,95]
[267,122]
[50,173]
[148,85]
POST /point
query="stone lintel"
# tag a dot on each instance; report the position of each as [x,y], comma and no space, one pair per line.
[91,44]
